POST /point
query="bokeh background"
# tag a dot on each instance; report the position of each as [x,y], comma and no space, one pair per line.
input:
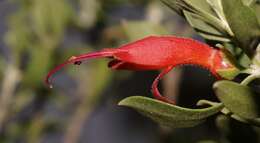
[36,35]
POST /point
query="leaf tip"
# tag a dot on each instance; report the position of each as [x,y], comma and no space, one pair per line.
[216,85]
[122,102]
[220,84]
[127,101]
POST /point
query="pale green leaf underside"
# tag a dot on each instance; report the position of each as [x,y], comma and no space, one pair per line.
[243,23]
[237,98]
[170,115]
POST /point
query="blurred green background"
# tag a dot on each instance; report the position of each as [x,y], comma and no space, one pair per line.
[36,35]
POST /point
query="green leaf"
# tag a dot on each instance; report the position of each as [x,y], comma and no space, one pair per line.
[218,9]
[206,30]
[200,8]
[230,73]
[239,99]
[256,59]
[238,56]
[197,23]
[256,8]
[175,5]
[195,6]
[248,2]
[168,114]
[213,37]
[243,23]
[234,116]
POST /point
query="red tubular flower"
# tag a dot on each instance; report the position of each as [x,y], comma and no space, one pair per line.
[154,53]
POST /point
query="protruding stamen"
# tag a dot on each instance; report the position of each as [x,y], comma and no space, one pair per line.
[78,60]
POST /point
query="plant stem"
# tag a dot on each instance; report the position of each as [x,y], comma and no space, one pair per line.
[11,78]
[250,78]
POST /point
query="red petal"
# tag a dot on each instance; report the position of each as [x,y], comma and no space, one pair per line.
[164,51]
[122,65]
[156,92]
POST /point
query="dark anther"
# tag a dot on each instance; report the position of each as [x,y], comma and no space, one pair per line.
[77,63]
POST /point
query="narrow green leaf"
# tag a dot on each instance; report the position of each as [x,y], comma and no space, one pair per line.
[237,98]
[248,2]
[206,30]
[243,23]
[200,8]
[197,23]
[195,6]
[213,37]
[170,115]
[218,9]
[176,5]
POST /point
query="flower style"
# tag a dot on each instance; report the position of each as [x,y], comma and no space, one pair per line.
[156,53]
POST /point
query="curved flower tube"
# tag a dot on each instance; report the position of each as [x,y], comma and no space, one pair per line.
[155,53]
